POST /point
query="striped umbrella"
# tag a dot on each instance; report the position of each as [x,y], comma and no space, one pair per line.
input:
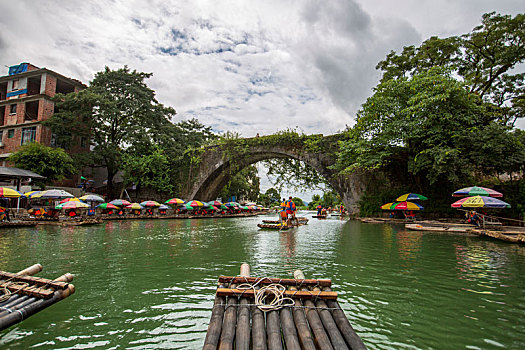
[31,193]
[92,198]
[411,197]
[196,204]
[107,206]
[215,203]
[150,204]
[174,201]
[53,194]
[480,202]
[74,199]
[72,205]
[135,206]
[476,191]
[401,206]
[6,192]
[120,202]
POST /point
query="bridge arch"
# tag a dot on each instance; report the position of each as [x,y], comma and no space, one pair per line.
[216,167]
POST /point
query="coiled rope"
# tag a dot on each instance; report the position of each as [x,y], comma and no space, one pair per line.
[7,293]
[270,297]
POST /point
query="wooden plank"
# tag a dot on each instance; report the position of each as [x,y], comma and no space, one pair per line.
[13,277]
[249,293]
[214,328]
[28,290]
[283,281]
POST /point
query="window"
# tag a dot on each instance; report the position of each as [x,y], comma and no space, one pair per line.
[12,109]
[15,85]
[1,137]
[54,142]
[28,135]
[83,142]
[10,133]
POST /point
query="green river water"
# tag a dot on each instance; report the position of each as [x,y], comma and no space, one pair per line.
[150,284]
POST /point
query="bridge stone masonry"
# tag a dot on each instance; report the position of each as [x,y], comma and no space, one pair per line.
[218,163]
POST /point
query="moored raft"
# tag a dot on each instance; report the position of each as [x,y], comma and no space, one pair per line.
[278,313]
[300,219]
[279,227]
[22,295]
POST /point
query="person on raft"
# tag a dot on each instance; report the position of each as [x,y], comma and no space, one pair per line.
[319,209]
[282,212]
[290,212]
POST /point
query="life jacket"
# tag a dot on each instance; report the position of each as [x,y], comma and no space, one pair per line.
[283,206]
[290,205]
[319,206]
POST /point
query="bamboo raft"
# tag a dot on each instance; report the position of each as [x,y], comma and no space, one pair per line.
[320,216]
[300,219]
[22,295]
[275,227]
[310,317]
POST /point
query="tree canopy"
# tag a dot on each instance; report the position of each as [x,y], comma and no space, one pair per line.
[53,163]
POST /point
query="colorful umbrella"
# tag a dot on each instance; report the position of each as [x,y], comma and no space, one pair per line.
[402,206]
[135,206]
[480,202]
[411,197]
[74,199]
[232,204]
[150,204]
[175,201]
[107,206]
[195,204]
[92,198]
[55,194]
[120,202]
[6,192]
[215,203]
[31,193]
[215,208]
[476,191]
[222,206]
[72,205]
[163,207]
[189,207]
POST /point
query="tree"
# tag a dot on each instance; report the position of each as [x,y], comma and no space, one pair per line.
[245,184]
[430,126]
[298,201]
[484,59]
[53,163]
[118,111]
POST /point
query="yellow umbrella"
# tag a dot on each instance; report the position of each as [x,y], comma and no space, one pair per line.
[6,192]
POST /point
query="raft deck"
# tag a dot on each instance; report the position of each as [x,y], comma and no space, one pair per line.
[278,313]
[22,295]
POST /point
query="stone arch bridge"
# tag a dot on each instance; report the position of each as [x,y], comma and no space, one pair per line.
[217,165]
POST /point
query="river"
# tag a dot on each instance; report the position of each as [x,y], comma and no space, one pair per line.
[150,284]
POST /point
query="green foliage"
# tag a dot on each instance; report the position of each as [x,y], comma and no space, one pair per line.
[298,202]
[53,163]
[243,185]
[271,197]
[484,59]
[432,127]
[118,111]
[148,170]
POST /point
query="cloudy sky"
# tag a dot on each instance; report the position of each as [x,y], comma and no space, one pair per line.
[247,66]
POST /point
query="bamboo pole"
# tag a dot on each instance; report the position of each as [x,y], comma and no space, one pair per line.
[258,328]
[214,328]
[242,336]
[31,270]
[338,342]
[31,309]
[305,336]
[320,336]
[351,337]
[289,331]
[273,330]
[228,323]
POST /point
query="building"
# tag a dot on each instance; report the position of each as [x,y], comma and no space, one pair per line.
[25,101]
